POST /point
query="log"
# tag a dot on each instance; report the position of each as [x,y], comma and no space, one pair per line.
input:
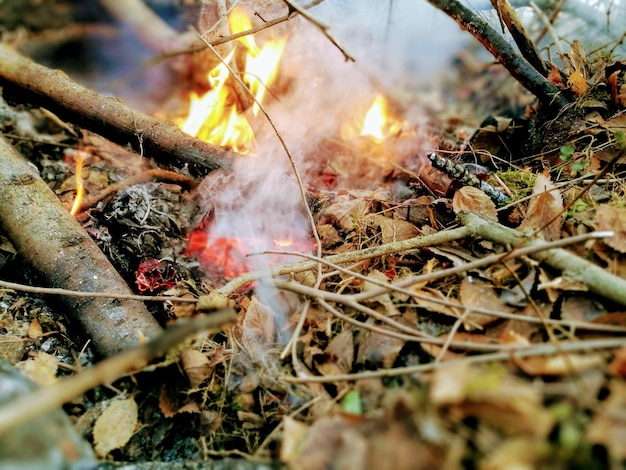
[108,116]
[57,248]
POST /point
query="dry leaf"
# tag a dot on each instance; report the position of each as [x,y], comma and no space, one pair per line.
[34,329]
[545,207]
[470,199]
[449,383]
[347,213]
[115,426]
[578,83]
[258,327]
[294,433]
[578,57]
[558,365]
[376,349]
[196,365]
[480,295]
[383,299]
[618,364]
[42,369]
[393,230]
[612,218]
[510,405]
[554,76]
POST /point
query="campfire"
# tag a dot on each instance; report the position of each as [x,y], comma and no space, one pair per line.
[293,260]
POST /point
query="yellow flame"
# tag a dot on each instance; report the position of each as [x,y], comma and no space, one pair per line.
[80,185]
[213,117]
[376,120]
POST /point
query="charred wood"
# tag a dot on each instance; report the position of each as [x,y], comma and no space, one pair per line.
[106,115]
[57,248]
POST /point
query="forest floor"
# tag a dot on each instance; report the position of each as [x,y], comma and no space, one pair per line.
[465,312]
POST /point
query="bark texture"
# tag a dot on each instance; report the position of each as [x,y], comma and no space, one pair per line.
[49,239]
[106,115]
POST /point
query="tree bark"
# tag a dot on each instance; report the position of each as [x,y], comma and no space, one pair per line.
[547,93]
[49,239]
[108,116]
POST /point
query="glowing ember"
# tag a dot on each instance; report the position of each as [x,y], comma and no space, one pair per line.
[214,116]
[227,257]
[80,185]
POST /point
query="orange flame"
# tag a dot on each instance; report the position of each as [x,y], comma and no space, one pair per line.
[80,185]
[376,120]
[377,125]
[214,117]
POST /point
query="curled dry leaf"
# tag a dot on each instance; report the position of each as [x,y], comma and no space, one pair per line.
[547,205]
[115,426]
[470,199]
[612,218]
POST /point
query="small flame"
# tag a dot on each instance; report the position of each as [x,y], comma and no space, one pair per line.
[80,185]
[214,117]
[377,125]
[376,120]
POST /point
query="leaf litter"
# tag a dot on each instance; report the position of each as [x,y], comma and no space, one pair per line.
[233,393]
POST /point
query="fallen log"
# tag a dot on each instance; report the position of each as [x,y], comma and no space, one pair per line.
[162,141]
[48,238]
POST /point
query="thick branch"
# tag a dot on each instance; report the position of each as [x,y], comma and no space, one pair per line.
[55,245]
[518,67]
[107,116]
[598,280]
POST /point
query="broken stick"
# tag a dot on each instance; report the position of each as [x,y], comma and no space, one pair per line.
[106,115]
[49,239]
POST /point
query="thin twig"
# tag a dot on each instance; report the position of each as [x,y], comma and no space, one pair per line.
[325,29]
[530,351]
[438,238]
[92,295]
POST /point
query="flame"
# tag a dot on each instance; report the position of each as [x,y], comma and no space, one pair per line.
[214,117]
[377,125]
[80,185]
[376,120]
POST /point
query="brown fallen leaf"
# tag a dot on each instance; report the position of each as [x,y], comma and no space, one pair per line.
[480,295]
[558,365]
[612,218]
[392,230]
[115,426]
[196,365]
[470,199]
[34,329]
[505,402]
[544,208]
[346,213]
[258,328]
[578,83]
